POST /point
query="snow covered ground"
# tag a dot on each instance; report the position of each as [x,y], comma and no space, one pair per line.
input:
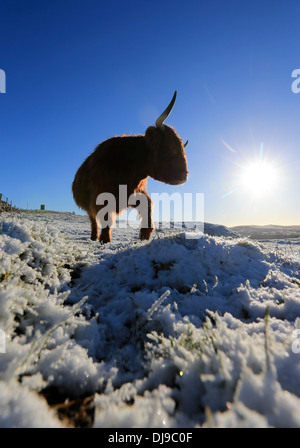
[174,332]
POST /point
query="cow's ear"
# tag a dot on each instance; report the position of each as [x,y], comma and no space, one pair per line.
[153,138]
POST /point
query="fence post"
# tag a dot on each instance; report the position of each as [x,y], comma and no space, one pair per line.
[4,204]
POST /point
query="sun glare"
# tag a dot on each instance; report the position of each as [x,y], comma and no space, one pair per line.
[259,178]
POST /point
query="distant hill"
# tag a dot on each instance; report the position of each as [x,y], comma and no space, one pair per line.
[268,232]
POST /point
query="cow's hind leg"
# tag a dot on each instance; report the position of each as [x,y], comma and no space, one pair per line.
[106,222]
[94,227]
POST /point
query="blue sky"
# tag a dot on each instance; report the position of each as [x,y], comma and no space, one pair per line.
[79,72]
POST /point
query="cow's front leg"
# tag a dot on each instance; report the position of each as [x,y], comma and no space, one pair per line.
[144,210]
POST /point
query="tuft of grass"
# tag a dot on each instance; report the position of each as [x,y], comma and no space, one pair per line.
[39,342]
[5,276]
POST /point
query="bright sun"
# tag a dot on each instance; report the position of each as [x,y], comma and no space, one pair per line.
[259,178]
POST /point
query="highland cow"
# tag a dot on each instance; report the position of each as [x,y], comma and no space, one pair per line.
[129,161]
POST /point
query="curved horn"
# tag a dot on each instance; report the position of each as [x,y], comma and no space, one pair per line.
[186,143]
[166,113]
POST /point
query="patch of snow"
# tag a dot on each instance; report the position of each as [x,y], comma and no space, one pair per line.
[171,332]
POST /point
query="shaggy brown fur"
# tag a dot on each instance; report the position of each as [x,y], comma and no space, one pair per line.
[129,161]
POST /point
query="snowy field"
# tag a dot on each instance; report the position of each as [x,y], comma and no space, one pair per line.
[175,332]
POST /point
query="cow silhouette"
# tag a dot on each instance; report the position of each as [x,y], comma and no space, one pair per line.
[129,161]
